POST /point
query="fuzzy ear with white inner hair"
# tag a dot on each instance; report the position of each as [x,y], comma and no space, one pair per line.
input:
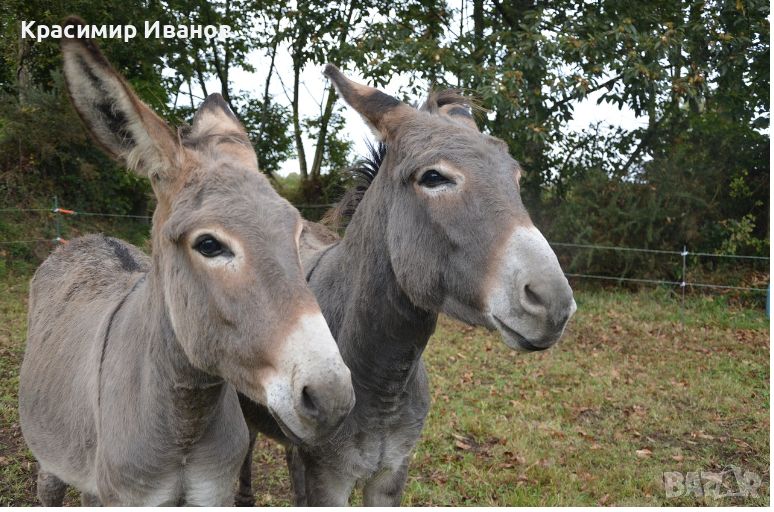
[382,112]
[214,117]
[127,128]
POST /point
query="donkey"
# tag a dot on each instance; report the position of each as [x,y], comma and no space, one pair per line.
[440,228]
[128,385]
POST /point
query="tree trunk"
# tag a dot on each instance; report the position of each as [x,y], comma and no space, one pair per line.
[22,71]
[296,122]
[478,42]
[322,138]
[265,105]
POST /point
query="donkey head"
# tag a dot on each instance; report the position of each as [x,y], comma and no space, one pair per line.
[226,266]
[459,238]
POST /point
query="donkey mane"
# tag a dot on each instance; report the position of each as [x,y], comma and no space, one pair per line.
[363,172]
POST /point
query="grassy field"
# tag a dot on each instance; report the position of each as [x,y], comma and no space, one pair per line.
[627,396]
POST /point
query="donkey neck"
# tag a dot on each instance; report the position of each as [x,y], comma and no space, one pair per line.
[380,332]
[177,395]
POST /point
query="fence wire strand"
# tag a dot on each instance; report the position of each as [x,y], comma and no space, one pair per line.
[14,210]
[9,242]
[683,253]
[710,255]
[656,251]
[631,279]
[90,214]
[726,287]
[611,248]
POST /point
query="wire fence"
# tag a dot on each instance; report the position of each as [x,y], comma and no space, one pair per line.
[683,283]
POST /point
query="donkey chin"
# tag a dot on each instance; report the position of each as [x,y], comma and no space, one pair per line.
[539,339]
[310,392]
[532,301]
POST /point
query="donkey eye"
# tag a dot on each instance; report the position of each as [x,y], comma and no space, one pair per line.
[433,178]
[208,246]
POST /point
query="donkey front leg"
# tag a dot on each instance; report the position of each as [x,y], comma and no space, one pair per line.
[90,500]
[51,490]
[386,488]
[245,496]
[326,486]
[297,471]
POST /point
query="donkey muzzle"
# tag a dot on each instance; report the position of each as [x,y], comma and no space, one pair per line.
[312,392]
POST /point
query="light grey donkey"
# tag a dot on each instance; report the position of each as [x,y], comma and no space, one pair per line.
[128,386]
[440,229]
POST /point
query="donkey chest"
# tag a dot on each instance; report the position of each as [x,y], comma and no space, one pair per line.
[379,448]
[384,430]
[203,476]
[176,458]
[184,484]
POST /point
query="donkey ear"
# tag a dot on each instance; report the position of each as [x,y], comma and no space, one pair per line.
[215,116]
[381,112]
[452,104]
[462,114]
[116,118]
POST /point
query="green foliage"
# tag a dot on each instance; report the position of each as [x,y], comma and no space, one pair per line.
[46,152]
[337,150]
[267,126]
[695,173]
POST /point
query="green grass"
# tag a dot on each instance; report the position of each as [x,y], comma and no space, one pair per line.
[628,395]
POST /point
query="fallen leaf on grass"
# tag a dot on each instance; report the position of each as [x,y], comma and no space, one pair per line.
[644,453]
[742,444]
[438,478]
[462,445]
[515,457]
[678,458]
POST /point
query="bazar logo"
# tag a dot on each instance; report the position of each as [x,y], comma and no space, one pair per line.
[730,483]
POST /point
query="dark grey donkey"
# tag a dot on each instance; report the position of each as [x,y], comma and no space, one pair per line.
[127,389]
[441,228]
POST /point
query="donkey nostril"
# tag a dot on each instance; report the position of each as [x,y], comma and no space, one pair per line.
[308,403]
[532,297]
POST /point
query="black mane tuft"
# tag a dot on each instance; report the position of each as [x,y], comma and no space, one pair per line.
[362,173]
[366,169]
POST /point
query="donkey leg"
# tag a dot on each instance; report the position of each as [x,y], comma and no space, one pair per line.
[326,487]
[245,497]
[51,490]
[90,500]
[297,470]
[386,488]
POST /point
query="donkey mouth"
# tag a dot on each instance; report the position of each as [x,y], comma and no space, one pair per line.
[285,429]
[512,335]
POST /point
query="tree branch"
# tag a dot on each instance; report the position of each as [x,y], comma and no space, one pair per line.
[326,115]
[567,99]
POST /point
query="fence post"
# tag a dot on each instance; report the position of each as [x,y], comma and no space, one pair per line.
[684,254]
[57,226]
